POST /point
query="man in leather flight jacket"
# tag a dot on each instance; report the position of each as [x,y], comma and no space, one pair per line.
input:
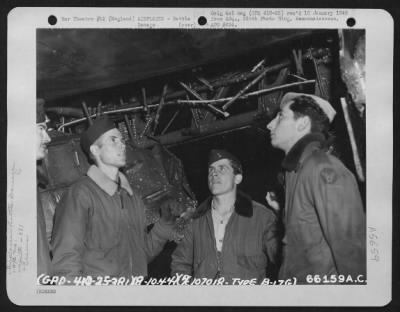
[323,216]
[232,237]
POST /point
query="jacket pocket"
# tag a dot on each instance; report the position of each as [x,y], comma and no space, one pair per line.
[311,242]
[307,234]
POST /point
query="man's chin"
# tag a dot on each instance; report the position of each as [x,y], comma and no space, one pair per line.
[274,143]
[214,190]
[121,163]
[41,154]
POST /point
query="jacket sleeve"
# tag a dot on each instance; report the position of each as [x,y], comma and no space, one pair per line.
[69,232]
[340,211]
[182,257]
[156,238]
[43,253]
[271,237]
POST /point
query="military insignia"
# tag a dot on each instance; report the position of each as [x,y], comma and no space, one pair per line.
[329,175]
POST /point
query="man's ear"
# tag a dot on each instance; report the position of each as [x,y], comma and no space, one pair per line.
[238,178]
[303,123]
[94,149]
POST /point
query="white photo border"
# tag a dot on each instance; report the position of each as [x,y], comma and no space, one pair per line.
[21,170]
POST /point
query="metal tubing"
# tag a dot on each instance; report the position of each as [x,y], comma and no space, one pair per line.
[130,133]
[194,93]
[353,144]
[86,113]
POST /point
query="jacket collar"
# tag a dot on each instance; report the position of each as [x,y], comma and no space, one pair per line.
[105,183]
[243,206]
[299,151]
[41,179]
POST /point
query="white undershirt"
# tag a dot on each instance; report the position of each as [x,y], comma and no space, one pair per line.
[220,223]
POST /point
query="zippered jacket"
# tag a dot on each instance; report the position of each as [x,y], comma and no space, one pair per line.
[324,219]
[250,243]
[100,230]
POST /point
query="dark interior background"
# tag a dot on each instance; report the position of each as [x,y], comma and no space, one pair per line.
[261,163]
[172,55]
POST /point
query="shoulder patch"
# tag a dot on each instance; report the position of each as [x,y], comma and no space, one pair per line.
[329,175]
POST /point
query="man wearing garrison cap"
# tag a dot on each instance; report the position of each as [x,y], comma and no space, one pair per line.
[99,228]
[323,216]
[232,238]
[42,140]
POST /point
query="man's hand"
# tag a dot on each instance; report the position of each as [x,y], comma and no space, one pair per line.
[166,209]
[272,201]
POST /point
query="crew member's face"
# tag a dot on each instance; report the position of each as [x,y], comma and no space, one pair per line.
[42,139]
[111,149]
[221,179]
[284,129]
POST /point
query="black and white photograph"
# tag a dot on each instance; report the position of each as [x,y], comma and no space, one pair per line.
[216,158]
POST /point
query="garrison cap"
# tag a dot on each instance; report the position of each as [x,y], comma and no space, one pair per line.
[99,127]
[323,104]
[40,114]
[217,154]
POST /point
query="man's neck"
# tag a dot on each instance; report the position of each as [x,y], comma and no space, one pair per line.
[109,171]
[224,203]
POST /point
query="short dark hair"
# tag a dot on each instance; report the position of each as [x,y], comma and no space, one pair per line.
[236,166]
[306,106]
